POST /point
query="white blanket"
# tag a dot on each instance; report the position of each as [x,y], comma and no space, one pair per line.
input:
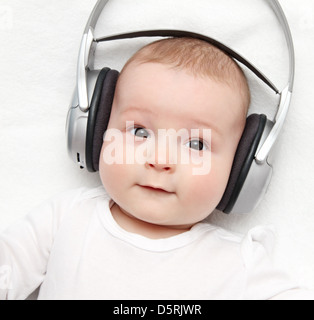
[39,49]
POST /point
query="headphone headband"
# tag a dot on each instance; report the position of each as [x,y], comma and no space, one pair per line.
[180,34]
[285,26]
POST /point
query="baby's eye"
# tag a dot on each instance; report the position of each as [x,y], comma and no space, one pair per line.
[140,132]
[197,144]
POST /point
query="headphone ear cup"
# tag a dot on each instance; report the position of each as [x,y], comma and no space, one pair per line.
[245,154]
[99,115]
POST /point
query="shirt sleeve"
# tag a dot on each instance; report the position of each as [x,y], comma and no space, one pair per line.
[264,281]
[25,248]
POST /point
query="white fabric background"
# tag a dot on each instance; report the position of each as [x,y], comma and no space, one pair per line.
[38,53]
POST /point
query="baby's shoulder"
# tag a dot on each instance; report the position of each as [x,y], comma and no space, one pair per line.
[259,235]
[71,203]
[79,195]
[259,239]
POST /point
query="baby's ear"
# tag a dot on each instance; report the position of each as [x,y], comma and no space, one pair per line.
[99,115]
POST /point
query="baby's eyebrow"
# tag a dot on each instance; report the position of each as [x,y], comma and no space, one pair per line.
[205,124]
[138,109]
[192,123]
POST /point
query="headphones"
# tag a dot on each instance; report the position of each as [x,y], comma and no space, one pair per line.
[90,110]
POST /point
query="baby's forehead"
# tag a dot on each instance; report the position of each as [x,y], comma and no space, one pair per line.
[196,57]
[174,98]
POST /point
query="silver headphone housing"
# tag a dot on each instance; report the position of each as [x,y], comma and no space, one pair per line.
[76,124]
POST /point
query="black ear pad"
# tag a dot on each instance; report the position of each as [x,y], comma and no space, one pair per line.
[99,114]
[248,145]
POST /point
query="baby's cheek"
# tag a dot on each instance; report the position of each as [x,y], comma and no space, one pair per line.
[206,191]
[106,175]
[201,189]
[110,174]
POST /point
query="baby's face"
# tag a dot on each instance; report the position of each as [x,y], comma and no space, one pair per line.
[162,189]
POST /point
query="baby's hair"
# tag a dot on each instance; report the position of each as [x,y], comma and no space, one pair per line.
[198,58]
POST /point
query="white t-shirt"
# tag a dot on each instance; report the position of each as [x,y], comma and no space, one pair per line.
[73,248]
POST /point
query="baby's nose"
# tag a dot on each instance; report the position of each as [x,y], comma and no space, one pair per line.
[162,157]
[160,167]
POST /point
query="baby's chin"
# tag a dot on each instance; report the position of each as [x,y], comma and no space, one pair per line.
[163,215]
[149,224]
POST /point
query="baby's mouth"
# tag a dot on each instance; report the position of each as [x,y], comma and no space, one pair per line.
[158,190]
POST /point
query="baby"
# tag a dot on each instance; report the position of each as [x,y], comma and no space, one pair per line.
[145,236]
[175,84]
